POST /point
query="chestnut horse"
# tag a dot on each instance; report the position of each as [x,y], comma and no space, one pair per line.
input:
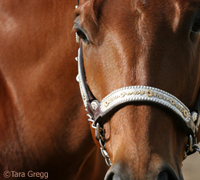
[44,127]
[133,56]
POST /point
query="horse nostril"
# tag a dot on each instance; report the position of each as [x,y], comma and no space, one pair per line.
[109,176]
[163,176]
[112,176]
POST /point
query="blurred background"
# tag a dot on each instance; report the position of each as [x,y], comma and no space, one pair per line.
[191,167]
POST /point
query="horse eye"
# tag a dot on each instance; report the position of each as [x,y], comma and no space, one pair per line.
[196,25]
[82,35]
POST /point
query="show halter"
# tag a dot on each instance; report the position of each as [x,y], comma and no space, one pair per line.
[99,112]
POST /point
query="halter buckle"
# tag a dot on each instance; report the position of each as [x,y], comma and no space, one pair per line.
[192,146]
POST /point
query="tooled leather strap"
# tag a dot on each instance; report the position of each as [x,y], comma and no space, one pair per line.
[99,111]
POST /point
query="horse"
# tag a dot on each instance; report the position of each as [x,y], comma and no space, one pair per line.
[43,126]
[139,77]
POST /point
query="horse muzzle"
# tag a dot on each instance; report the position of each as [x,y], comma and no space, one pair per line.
[164,172]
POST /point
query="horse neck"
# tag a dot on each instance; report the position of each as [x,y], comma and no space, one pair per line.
[93,166]
[43,122]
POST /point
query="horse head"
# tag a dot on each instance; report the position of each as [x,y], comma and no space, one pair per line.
[140,45]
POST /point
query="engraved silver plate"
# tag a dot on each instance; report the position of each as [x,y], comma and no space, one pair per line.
[145,93]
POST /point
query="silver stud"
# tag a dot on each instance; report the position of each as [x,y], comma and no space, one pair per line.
[77,38]
[94,105]
[194,116]
[77,78]
[76,58]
